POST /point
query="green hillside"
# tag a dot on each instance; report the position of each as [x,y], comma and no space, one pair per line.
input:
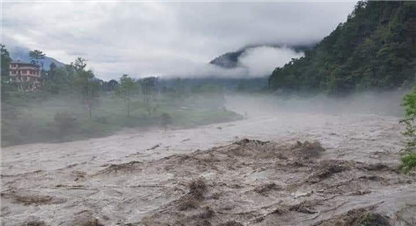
[375,49]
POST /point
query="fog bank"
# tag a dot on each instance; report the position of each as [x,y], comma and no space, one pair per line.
[373,103]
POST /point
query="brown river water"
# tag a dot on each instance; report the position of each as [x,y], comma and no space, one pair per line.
[274,167]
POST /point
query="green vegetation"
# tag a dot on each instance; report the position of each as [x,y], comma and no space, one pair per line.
[372,219]
[36,56]
[86,84]
[409,157]
[36,117]
[6,87]
[73,104]
[125,91]
[408,162]
[374,49]
[148,86]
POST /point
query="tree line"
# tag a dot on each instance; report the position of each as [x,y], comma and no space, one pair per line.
[72,103]
[375,49]
[75,78]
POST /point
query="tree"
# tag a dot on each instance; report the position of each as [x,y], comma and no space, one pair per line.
[60,80]
[90,88]
[5,79]
[148,86]
[10,111]
[79,64]
[5,62]
[36,56]
[165,120]
[51,73]
[125,91]
[111,85]
[86,83]
[179,87]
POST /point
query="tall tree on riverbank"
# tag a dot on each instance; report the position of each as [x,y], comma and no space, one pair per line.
[148,87]
[86,83]
[125,91]
[5,62]
[6,86]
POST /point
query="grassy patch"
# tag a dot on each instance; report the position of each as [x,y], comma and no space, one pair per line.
[373,219]
[31,118]
[408,162]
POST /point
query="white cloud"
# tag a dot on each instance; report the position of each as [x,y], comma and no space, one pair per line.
[262,61]
[161,38]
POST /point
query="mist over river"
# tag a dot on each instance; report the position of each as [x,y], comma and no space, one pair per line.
[142,176]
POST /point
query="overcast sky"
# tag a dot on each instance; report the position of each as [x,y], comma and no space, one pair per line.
[165,39]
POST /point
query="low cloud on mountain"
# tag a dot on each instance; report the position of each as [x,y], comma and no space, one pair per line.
[166,39]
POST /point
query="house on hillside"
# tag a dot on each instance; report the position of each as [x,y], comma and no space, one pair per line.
[25,75]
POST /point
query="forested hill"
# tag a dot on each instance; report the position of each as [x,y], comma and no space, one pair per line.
[22,54]
[375,49]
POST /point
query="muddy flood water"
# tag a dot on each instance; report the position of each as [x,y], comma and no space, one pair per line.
[271,168]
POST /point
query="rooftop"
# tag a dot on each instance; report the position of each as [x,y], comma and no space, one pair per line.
[24,63]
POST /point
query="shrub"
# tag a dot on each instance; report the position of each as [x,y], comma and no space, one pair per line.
[188,203]
[409,104]
[409,158]
[101,119]
[373,219]
[35,223]
[408,162]
[197,188]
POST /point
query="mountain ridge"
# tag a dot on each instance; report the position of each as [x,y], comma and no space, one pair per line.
[22,54]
